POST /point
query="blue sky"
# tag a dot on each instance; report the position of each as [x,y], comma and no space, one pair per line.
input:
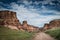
[35,12]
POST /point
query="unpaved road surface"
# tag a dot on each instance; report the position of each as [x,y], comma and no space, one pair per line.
[42,36]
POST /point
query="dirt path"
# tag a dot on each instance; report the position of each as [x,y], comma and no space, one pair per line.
[42,36]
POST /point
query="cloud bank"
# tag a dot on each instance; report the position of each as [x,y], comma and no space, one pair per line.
[34,13]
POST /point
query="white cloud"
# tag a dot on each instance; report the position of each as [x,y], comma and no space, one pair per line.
[32,15]
[36,2]
[27,3]
[46,10]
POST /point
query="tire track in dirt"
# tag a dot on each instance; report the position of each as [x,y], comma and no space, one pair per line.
[43,36]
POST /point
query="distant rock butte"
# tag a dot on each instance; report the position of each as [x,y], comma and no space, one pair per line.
[52,24]
[30,28]
[9,19]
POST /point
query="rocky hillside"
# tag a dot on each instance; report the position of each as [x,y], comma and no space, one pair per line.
[30,28]
[52,24]
[9,19]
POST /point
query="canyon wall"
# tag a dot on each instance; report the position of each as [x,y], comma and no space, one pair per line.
[9,19]
[52,24]
[30,28]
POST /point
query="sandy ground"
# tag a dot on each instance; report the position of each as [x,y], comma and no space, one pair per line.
[43,36]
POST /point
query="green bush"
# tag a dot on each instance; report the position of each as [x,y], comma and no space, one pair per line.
[8,34]
[54,33]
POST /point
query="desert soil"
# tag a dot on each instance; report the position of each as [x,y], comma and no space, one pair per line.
[42,36]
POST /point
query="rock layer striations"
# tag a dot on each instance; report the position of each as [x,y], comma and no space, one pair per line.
[9,19]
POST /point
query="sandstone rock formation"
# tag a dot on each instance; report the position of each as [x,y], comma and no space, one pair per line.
[46,26]
[9,19]
[30,28]
[55,23]
[52,24]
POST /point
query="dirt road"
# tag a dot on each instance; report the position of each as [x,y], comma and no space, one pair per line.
[42,36]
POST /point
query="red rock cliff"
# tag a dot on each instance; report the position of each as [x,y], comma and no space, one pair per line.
[52,24]
[29,28]
[9,19]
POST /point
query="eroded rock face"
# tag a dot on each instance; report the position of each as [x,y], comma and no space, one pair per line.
[9,18]
[52,24]
[29,28]
[46,26]
[55,23]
